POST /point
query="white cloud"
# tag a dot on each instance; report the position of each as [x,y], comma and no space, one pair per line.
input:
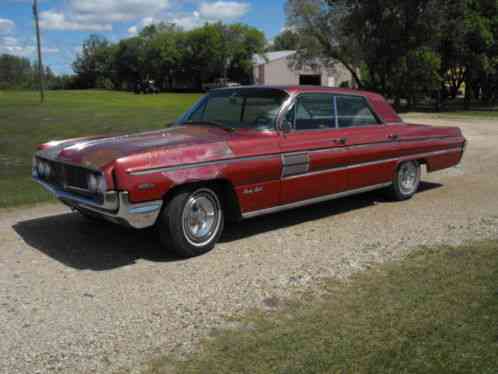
[12,46]
[223,10]
[6,25]
[206,13]
[116,10]
[147,21]
[133,30]
[99,15]
[53,20]
[187,21]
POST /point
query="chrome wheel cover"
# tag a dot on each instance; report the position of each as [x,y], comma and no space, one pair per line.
[408,177]
[201,217]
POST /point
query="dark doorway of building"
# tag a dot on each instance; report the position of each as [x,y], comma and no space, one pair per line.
[310,80]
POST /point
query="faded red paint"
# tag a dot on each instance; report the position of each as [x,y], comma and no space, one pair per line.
[251,160]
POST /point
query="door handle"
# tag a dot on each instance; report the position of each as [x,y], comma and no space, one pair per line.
[393,136]
[341,141]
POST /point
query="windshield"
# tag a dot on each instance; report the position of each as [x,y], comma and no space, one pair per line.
[248,108]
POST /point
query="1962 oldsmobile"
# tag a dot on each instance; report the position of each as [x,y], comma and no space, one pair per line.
[243,152]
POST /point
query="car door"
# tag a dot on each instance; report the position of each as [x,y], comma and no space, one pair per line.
[313,149]
[373,146]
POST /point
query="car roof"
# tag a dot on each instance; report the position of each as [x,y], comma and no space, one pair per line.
[293,89]
[377,101]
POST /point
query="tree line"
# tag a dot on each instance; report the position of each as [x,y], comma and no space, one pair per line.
[403,49]
[172,57]
[19,73]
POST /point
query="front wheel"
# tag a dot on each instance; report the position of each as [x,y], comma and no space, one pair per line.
[192,222]
[406,180]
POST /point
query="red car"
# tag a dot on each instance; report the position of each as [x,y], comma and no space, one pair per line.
[241,153]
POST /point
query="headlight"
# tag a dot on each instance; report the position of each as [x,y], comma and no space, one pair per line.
[47,169]
[97,184]
[101,185]
[42,168]
[39,168]
[92,183]
[34,167]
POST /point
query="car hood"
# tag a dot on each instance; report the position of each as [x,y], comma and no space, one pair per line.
[99,152]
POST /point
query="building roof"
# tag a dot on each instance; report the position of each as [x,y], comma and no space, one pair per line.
[261,59]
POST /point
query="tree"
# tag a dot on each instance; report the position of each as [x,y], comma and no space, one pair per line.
[481,50]
[94,61]
[130,60]
[164,51]
[392,40]
[320,25]
[404,48]
[242,42]
[287,40]
[15,72]
[163,55]
[451,45]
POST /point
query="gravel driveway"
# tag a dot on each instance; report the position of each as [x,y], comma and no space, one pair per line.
[79,297]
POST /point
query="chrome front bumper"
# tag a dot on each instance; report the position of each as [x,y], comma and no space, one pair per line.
[116,206]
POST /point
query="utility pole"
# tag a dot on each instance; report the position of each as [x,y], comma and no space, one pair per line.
[38,42]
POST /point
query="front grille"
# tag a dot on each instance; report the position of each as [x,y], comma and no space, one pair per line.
[76,177]
[69,177]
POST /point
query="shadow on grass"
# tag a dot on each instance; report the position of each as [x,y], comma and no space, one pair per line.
[82,244]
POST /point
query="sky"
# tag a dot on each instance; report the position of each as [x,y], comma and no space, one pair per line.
[65,24]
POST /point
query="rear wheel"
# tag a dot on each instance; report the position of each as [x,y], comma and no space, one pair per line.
[406,180]
[192,222]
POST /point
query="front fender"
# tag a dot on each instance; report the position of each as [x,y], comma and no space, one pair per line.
[154,185]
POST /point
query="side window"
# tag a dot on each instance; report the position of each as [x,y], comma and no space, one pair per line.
[354,111]
[261,112]
[314,112]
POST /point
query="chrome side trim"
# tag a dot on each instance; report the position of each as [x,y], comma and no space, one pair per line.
[168,169]
[315,200]
[378,162]
[341,168]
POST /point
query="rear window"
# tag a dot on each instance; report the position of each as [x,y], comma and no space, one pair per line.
[314,111]
[353,111]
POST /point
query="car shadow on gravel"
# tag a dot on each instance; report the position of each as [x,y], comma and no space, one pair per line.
[82,244]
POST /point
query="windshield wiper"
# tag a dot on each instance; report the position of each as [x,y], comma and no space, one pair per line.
[210,123]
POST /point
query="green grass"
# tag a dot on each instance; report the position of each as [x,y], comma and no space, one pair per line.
[24,123]
[434,312]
